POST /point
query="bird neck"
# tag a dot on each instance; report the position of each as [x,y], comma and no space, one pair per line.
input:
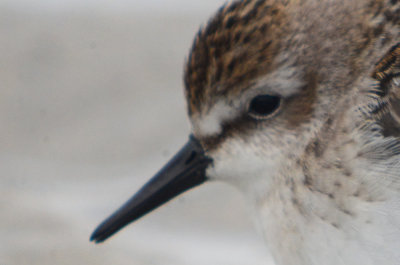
[334,205]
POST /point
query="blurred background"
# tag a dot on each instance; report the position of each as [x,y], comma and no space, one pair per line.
[91,106]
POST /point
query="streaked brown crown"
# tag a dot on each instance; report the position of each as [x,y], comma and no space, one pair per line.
[237,45]
[331,43]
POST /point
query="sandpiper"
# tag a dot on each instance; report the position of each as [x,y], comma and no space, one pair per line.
[297,104]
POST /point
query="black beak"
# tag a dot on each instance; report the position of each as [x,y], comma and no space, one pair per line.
[184,171]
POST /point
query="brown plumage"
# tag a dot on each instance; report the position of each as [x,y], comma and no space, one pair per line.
[242,41]
[237,45]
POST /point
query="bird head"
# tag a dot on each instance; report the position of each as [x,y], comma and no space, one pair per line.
[262,80]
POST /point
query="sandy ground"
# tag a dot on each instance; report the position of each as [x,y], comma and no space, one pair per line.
[91,106]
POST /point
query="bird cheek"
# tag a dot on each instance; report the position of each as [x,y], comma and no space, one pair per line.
[240,169]
[249,167]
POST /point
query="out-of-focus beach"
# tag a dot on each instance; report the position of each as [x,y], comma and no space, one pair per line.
[91,106]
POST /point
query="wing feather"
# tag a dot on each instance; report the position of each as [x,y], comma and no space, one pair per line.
[387,73]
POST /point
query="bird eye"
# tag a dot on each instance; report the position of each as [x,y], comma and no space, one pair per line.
[263,106]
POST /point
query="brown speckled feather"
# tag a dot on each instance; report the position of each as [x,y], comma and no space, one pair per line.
[237,45]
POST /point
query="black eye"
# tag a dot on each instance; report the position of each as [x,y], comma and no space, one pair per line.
[263,105]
